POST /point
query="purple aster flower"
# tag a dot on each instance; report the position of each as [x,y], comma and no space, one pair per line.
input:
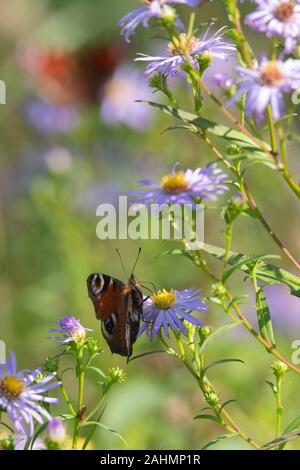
[20,442]
[21,394]
[56,432]
[212,45]
[119,95]
[70,330]
[180,187]
[49,118]
[266,84]
[168,309]
[151,9]
[279,18]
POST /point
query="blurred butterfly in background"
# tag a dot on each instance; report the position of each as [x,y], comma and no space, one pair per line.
[66,80]
[119,307]
[71,77]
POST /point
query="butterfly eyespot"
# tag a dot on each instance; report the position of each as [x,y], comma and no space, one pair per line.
[108,326]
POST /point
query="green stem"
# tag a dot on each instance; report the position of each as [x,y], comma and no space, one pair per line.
[207,388]
[252,203]
[243,45]
[272,131]
[228,234]
[259,338]
[243,319]
[191,24]
[94,411]
[279,407]
[67,399]
[80,397]
[286,174]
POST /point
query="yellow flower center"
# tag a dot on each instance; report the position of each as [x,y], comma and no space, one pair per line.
[271,74]
[164,299]
[284,12]
[174,183]
[11,386]
[182,44]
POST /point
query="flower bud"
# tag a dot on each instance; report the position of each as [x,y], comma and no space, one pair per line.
[7,443]
[51,365]
[212,398]
[168,15]
[92,345]
[55,434]
[279,369]
[204,332]
[219,289]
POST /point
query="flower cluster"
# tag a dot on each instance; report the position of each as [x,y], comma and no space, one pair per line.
[266,84]
[277,18]
[22,395]
[182,187]
[167,309]
[152,9]
[70,330]
[186,49]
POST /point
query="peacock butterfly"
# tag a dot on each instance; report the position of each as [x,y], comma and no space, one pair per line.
[119,307]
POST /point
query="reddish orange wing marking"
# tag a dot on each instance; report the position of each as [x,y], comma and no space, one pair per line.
[110,300]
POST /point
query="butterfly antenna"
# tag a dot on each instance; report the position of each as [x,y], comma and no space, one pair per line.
[137,258]
[121,261]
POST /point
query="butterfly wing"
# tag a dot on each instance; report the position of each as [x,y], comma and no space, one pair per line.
[118,306]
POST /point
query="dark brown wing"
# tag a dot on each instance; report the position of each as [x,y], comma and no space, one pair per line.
[119,307]
[105,293]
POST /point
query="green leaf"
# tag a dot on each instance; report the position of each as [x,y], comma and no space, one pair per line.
[272,387]
[281,440]
[103,426]
[246,260]
[209,417]
[218,439]
[6,426]
[221,361]
[268,273]
[226,403]
[66,416]
[177,251]
[97,370]
[231,136]
[216,333]
[264,317]
[293,137]
[39,431]
[149,353]
[295,424]
[90,434]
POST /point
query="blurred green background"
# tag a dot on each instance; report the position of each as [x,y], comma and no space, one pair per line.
[50,186]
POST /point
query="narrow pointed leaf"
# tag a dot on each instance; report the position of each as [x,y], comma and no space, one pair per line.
[216,333]
[222,361]
[264,318]
[248,261]
[295,424]
[281,440]
[103,426]
[149,353]
[231,136]
[268,273]
[218,439]
[208,417]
